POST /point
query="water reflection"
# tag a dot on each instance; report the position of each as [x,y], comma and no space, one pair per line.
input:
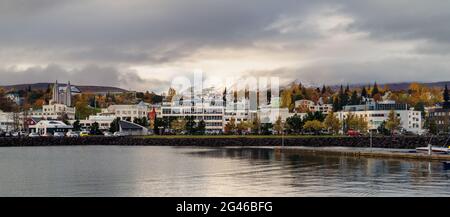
[199,171]
[324,175]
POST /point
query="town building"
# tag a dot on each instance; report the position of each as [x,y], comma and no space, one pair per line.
[49,127]
[104,121]
[127,112]
[376,113]
[62,94]
[305,106]
[6,121]
[441,118]
[132,129]
[211,111]
[15,98]
[54,112]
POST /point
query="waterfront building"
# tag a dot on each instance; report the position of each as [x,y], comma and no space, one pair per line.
[104,121]
[6,121]
[440,116]
[54,112]
[127,112]
[49,126]
[129,128]
[241,111]
[211,111]
[376,113]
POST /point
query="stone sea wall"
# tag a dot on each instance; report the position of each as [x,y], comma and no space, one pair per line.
[382,142]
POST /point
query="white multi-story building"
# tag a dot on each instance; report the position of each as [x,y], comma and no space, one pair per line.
[210,111]
[127,112]
[6,121]
[241,111]
[104,121]
[377,113]
[53,112]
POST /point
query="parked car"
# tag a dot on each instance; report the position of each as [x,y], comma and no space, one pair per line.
[84,133]
[47,135]
[33,135]
[119,134]
[108,134]
[353,133]
[72,134]
[58,134]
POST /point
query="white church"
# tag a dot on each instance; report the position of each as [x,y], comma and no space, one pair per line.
[60,105]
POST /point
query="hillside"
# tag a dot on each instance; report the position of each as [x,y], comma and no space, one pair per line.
[82,88]
[399,85]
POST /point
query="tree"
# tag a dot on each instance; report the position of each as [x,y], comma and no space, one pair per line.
[279,125]
[354,100]
[95,129]
[230,127]
[446,97]
[295,123]
[114,126]
[178,125]
[244,126]
[314,126]
[141,121]
[266,128]
[76,125]
[375,90]
[431,126]
[364,92]
[393,121]
[190,124]
[286,99]
[201,127]
[332,123]
[382,129]
[353,122]
[256,125]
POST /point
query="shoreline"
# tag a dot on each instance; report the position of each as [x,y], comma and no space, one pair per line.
[405,154]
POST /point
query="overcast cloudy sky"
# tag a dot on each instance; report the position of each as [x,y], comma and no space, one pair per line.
[143,44]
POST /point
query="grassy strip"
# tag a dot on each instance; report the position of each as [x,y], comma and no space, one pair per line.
[237,136]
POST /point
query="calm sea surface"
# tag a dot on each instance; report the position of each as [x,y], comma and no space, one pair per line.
[189,171]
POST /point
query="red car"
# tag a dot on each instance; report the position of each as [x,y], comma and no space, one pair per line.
[353,133]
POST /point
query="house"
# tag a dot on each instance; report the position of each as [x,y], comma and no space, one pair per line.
[130,128]
[304,106]
[49,126]
[127,112]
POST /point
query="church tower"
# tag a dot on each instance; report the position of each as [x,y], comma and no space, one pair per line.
[68,93]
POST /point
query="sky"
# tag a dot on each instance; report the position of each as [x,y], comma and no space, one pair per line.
[143,45]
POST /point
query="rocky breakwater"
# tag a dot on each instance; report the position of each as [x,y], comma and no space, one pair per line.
[403,142]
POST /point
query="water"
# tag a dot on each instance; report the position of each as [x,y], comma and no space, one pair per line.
[190,171]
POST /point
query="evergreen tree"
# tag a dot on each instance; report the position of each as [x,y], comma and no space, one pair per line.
[375,89]
[324,89]
[446,98]
[95,129]
[364,92]
[76,126]
[114,127]
[201,126]
[354,100]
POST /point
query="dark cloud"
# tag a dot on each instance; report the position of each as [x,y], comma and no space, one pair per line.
[89,75]
[86,34]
